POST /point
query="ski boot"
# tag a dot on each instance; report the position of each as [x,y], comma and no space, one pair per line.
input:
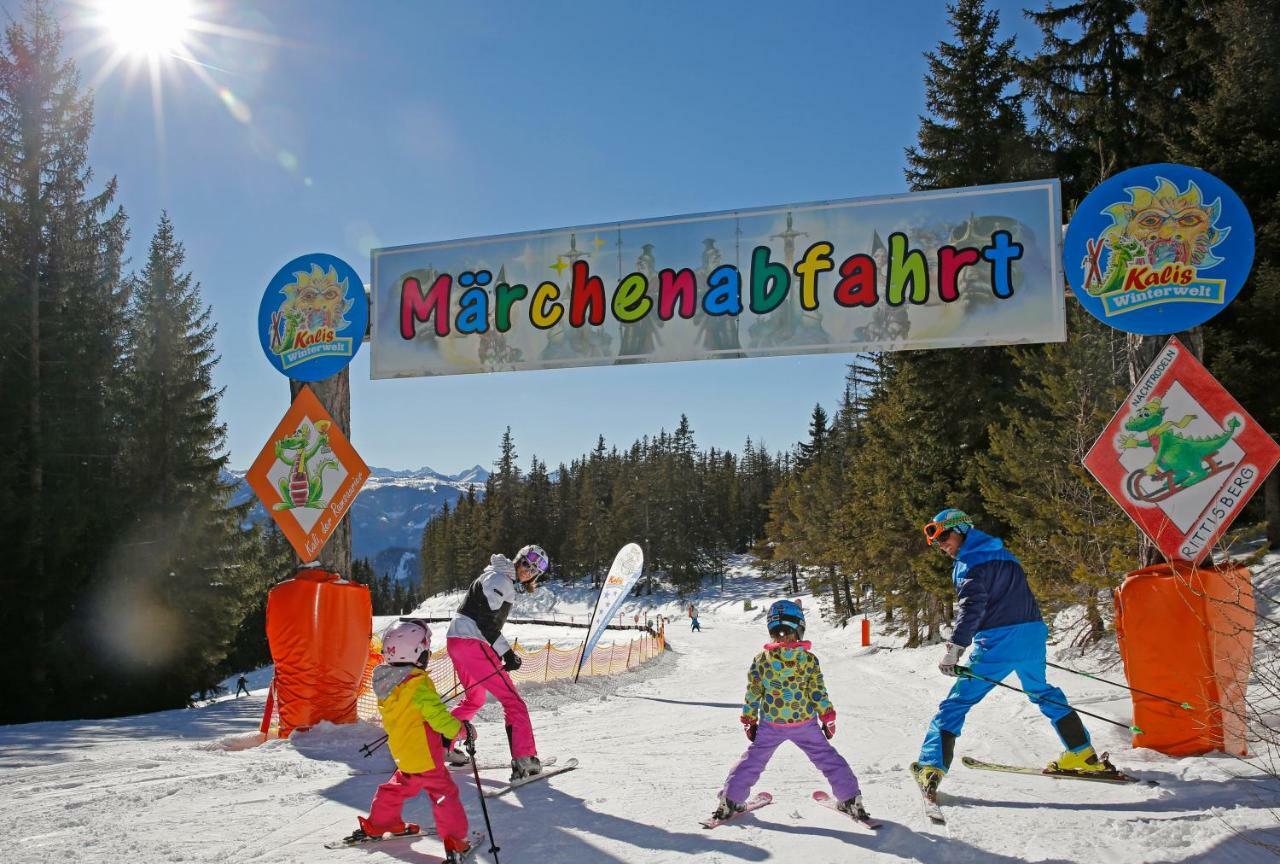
[368,830]
[525,766]
[1083,762]
[463,855]
[727,809]
[854,807]
[928,778]
[455,756]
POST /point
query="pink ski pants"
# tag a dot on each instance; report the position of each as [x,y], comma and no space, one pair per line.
[446,808]
[476,663]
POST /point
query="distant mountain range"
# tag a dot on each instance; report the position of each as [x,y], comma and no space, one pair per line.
[389,513]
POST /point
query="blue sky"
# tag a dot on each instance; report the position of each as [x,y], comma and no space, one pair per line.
[337,127]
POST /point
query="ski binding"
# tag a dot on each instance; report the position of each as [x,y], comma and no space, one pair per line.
[825,799]
[758,800]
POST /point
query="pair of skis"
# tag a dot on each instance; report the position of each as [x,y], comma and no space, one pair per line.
[930,796]
[359,838]
[549,769]
[762,799]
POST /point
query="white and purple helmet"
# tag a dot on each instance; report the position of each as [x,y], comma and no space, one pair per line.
[407,641]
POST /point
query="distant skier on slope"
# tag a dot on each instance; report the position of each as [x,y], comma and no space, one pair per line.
[997,613]
[242,685]
[787,701]
[415,720]
[483,657]
[693,618]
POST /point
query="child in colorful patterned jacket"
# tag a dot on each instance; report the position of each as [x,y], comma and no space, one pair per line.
[415,719]
[787,701]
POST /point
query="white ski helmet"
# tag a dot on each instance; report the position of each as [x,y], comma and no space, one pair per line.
[535,558]
[407,641]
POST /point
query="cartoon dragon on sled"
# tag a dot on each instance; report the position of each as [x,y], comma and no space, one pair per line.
[1179,462]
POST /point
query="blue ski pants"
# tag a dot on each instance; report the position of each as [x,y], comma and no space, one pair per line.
[1017,648]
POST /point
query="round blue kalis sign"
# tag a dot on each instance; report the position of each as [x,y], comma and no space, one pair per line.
[1158,249]
[313,317]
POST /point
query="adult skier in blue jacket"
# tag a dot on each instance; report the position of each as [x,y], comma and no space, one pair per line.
[999,616]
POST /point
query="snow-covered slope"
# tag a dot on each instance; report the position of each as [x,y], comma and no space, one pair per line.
[655,746]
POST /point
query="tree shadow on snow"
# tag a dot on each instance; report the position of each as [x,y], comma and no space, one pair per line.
[905,842]
[537,822]
[737,706]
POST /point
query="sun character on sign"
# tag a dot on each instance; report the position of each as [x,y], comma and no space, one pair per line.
[314,309]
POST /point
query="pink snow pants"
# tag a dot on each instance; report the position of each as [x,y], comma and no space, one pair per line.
[475,660]
[451,820]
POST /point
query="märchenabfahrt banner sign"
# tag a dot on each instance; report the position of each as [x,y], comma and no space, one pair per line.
[938,269]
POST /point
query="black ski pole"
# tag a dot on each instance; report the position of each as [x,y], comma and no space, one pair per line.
[369,749]
[372,747]
[484,808]
[1186,705]
[966,672]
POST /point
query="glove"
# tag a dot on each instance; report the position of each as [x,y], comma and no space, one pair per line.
[947,665]
[749,727]
[511,661]
[828,722]
[468,733]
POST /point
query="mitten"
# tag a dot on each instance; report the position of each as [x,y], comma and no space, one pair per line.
[828,722]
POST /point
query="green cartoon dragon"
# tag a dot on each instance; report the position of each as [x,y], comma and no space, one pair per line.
[1124,250]
[303,486]
[1183,460]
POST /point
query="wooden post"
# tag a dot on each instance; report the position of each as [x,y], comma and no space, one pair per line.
[546,668]
[334,394]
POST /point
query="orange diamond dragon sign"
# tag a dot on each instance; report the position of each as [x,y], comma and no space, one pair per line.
[308,475]
[1181,456]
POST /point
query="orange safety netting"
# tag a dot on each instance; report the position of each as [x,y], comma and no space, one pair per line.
[1186,634]
[545,663]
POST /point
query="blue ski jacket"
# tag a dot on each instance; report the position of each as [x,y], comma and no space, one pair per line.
[991,588]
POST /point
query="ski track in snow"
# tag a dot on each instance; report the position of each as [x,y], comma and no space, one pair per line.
[655,745]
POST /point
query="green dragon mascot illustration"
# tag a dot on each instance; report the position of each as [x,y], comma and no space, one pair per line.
[1182,460]
[1124,251]
[303,486]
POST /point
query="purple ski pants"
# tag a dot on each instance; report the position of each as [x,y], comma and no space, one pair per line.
[809,738]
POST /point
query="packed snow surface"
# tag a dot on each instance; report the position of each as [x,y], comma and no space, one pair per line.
[195,785]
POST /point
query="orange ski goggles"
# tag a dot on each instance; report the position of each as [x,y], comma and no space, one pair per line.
[933,531]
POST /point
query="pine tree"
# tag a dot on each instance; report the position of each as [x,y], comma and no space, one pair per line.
[808,452]
[61,303]
[1072,540]
[976,131]
[186,546]
[1085,85]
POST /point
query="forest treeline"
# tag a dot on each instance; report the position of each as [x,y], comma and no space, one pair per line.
[129,584]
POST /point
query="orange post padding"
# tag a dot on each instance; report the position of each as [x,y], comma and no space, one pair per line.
[318,627]
[1186,633]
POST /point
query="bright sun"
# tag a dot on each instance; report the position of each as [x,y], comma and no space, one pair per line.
[154,28]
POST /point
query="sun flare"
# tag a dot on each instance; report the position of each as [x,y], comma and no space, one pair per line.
[154,28]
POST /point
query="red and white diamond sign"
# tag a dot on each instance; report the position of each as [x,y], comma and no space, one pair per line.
[1181,456]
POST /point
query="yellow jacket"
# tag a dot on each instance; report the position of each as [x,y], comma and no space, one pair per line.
[409,703]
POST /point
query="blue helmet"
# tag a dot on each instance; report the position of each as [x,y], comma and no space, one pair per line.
[950,519]
[786,614]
